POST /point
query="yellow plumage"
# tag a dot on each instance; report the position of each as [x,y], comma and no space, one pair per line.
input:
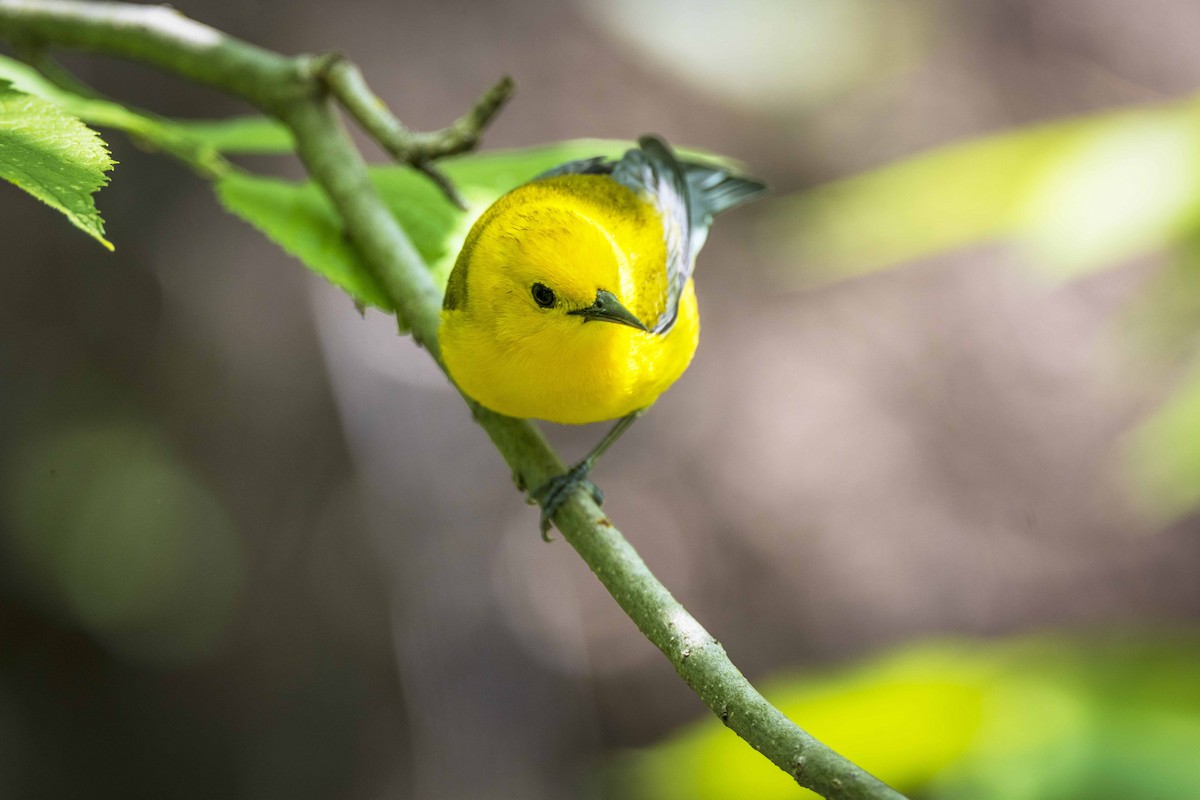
[577,234]
[572,299]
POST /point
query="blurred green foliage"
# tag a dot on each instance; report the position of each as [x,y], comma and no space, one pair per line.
[1074,197]
[102,525]
[1164,456]
[1042,718]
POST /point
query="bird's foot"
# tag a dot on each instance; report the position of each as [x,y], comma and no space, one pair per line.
[554,492]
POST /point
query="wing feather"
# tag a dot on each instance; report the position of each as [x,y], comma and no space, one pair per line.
[686,196]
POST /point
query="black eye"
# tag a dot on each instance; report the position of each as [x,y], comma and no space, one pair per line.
[543,295]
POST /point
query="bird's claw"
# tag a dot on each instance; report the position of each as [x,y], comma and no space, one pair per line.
[554,492]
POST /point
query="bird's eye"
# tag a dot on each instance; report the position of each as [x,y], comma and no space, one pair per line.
[543,295]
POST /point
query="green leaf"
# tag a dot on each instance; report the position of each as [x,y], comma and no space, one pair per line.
[54,157]
[28,80]
[490,175]
[1076,196]
[246,135]
[298,218]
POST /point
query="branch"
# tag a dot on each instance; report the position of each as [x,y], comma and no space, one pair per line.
[288,88]
[347,84]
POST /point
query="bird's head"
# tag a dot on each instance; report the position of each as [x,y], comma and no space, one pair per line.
[535,271]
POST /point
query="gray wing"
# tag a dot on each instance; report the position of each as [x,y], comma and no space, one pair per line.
[687,195]
[653,172]
[597,165]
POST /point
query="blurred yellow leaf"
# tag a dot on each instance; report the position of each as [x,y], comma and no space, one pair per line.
[904,718]
[1022,720]
[1131,183]
[1078,195]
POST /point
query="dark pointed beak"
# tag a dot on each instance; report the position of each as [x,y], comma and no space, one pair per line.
[608,308]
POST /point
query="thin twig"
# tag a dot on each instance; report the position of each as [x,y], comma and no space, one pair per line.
[346,82]
[277,85]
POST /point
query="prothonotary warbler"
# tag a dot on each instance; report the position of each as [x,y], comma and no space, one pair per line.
[572,299]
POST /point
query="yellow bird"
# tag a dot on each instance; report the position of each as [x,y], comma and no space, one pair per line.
[592,241]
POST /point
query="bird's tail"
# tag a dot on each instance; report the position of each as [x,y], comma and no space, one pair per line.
[715,189]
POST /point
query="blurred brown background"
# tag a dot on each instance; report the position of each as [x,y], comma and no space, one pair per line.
[305,573]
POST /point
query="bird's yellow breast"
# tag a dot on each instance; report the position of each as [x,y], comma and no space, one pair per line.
[576,234]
